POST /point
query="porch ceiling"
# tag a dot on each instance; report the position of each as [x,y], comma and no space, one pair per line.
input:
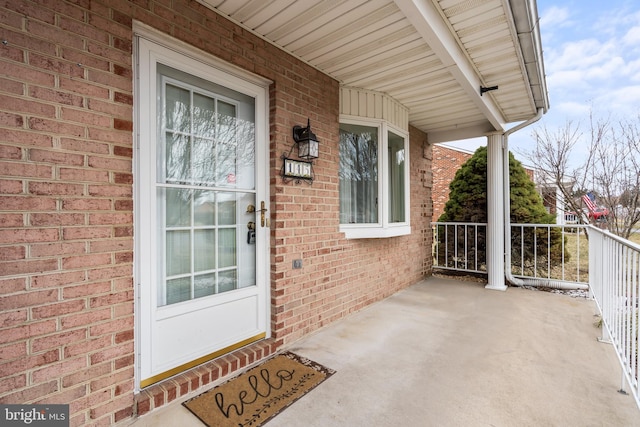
[431,55]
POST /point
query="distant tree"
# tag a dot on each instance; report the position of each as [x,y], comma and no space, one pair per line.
[468,194]
[468,191]
[468,204]
[610,169]
[616,176]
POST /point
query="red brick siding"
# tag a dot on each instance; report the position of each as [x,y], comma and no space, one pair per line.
[446,163]
[66,205]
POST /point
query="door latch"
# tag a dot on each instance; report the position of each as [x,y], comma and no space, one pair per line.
[262,211]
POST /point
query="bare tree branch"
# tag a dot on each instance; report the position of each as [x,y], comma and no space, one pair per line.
[611,169]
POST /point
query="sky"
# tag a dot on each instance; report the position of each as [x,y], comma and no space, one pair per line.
[591,51]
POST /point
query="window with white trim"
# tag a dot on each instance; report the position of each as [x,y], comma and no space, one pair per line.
[374,179]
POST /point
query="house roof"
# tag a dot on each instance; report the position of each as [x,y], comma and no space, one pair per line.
[432,56]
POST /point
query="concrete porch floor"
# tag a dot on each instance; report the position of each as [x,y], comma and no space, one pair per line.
[451,353]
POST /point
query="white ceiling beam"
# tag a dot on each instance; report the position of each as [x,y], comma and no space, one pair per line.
[430,25]
[458,134]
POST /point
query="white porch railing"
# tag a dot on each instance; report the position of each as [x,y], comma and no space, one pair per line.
[573,253]
[460,246]
[557,253]
[538,251]
[615,285]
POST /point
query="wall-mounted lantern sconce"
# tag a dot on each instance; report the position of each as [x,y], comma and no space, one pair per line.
[307,142]
[301,170]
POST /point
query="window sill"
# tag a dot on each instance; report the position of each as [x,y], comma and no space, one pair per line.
[364,232]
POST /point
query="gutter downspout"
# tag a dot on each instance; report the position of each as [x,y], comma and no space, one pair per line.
[546,283]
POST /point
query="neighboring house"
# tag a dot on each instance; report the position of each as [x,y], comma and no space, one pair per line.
[554,202]
[150,244]
[446,162]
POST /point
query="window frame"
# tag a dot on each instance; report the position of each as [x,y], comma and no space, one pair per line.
[383,228]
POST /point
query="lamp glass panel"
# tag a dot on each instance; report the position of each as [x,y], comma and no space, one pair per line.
[313,149]
[303,149]
[308,149]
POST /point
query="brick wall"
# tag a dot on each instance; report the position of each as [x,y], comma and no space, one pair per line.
[66,210]
[66,203]
[446,162]
[339,276]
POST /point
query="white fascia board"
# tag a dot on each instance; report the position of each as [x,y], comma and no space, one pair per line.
[458,134]
[430,25]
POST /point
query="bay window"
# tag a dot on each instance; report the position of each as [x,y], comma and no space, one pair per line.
[374,190]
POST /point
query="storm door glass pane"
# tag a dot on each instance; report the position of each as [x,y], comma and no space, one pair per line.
[178,109]
[204,208]
[396,178]
[204,111]
[204,285]
[227,247]
[203,161]
[228,281]
[178,158]
[227,141]
[178,290]
[178,213]
[205,145]
[205,250]
[227,209]
[358,174]
[178,252]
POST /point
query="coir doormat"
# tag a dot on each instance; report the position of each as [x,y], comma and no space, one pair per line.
[261,393]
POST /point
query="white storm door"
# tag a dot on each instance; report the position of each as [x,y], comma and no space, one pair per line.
[202,160]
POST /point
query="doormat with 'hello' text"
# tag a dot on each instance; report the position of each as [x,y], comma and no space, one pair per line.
[259,394]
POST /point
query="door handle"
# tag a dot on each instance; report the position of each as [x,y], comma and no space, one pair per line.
[262,210]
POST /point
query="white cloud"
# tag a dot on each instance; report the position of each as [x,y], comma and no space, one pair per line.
[552,22]
[606,69]
[632,37]
[616,18]
[573,110]
[581,54]
[566,80]
[591,70]
[555,17]
[633,70]
[623,101]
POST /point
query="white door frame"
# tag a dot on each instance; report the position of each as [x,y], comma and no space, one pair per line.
[168,49]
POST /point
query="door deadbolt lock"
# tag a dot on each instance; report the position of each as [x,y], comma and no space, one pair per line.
[251,225]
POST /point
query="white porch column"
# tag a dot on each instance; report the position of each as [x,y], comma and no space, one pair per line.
[495,213]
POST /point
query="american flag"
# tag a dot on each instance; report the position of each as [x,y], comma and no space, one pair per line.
[589,199]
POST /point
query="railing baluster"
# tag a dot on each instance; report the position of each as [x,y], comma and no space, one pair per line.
[475,237]
[522,249]
[548,252]
[634,318]
[578,237]
[466,249]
